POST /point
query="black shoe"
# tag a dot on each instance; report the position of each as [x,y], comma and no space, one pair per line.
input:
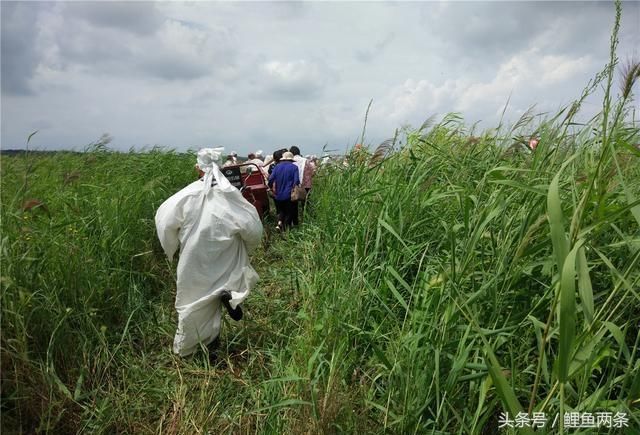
[236,314]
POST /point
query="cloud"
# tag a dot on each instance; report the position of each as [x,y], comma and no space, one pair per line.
[368,54]
[411,97]
[136,17]
[522,73]
[297,79]
[414,100]
[556,69]
[522,79]
[174,50]
[20,57]
[477,35]
[185,52]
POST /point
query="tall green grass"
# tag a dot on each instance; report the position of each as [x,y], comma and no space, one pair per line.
[79,279]
[458,278]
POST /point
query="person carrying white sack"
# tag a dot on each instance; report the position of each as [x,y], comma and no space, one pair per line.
[216,229]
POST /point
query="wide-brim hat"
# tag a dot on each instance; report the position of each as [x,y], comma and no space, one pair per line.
[287,156]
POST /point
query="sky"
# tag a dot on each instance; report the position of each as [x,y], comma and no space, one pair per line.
[267,75]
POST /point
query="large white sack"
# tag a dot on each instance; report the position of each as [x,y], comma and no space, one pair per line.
[215,229]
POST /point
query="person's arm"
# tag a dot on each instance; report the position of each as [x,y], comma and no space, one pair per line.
[272,181]
[271,178]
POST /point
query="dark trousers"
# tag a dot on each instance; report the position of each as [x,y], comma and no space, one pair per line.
[287,210]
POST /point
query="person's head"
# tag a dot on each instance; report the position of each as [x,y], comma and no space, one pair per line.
[287,156]
[295,150]
[277,155]
[251,156]
[229,158]
[259,154]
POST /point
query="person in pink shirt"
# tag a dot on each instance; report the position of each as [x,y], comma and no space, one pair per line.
[307,176]
[306,170]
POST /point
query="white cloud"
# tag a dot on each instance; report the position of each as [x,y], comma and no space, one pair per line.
[556,69]
[183,52]
[295,79]
[411,98]
[520,79]
[523,73]
[134,17]
[84,43]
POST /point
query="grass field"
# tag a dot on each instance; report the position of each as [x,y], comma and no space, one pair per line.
[438,281]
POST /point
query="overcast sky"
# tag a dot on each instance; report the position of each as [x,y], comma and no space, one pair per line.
[265,75]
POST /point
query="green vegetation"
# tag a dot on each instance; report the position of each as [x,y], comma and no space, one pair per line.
[435,284]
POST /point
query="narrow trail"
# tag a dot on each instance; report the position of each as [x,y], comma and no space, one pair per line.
[230,393]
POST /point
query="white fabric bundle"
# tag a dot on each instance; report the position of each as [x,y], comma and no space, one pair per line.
[207,158]
[215,229]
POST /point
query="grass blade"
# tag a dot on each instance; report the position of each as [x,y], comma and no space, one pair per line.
[567,312]
[584,286]
[504,390]
[554,213]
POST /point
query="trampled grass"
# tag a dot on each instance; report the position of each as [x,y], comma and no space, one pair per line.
[437,282]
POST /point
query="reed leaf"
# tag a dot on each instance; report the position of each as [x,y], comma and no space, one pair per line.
[567,318]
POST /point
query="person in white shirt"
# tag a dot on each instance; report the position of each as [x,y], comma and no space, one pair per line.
[256,161]
[229,161]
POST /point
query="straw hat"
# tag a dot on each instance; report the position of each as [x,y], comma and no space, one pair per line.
[287,156]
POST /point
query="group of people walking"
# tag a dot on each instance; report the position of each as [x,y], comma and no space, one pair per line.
[290,179]
[284,171]
[215,229]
